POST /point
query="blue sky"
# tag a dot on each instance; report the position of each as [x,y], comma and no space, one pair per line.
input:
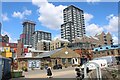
[100,16]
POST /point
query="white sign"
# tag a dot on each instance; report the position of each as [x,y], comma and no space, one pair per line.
[66,52]
[28,54]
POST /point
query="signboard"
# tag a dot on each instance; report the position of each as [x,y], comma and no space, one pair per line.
[28,54]
[25,50]
[7,49]
[8,54]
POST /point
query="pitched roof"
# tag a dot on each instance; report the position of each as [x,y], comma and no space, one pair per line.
[61,53]
[47,54]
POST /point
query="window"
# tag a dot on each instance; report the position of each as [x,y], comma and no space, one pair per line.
[63,60]
[106,47]
[96,50]
[105,43]
[69,60]
[112,52]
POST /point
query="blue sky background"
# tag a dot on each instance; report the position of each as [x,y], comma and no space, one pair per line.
[13,25]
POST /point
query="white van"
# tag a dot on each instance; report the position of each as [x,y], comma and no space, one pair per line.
[102,63]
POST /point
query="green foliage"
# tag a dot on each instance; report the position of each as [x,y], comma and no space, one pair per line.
[24,69]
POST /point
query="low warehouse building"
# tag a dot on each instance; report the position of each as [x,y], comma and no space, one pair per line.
[64,56]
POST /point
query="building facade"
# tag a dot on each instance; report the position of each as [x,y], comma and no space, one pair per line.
[107,50]
[84,49]
[38,36]
[104,39]
[94,41]
[4,39]
[98,40]
[73,25]
[28,30]
[43,45]
[64,56]
[19,48]
[58,43]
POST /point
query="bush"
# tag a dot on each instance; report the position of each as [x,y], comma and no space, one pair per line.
[24,69]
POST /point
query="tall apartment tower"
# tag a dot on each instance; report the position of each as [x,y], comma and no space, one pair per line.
[73,25]
[28,30]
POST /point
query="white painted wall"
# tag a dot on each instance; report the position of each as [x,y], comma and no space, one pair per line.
[28,54]
[75,60]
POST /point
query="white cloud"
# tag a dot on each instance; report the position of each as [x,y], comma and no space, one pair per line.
[11,40]
[92,1]
[21,15]
[113,24]
[57,36]
[88,18]
[93,29]
[49,15]
[110,16]
[115,39]
[5,17]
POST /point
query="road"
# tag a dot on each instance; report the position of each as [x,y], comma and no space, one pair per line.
[61,73]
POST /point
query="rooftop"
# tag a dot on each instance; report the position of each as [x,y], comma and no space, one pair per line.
[74,7]
[28,21]
[95,37]
[99,33]
[47,54]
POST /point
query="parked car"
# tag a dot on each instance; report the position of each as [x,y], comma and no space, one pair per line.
[58,66]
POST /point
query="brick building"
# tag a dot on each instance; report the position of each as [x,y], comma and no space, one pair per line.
[99,39]
[106,51]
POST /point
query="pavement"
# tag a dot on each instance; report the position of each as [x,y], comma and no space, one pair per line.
[61,73]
